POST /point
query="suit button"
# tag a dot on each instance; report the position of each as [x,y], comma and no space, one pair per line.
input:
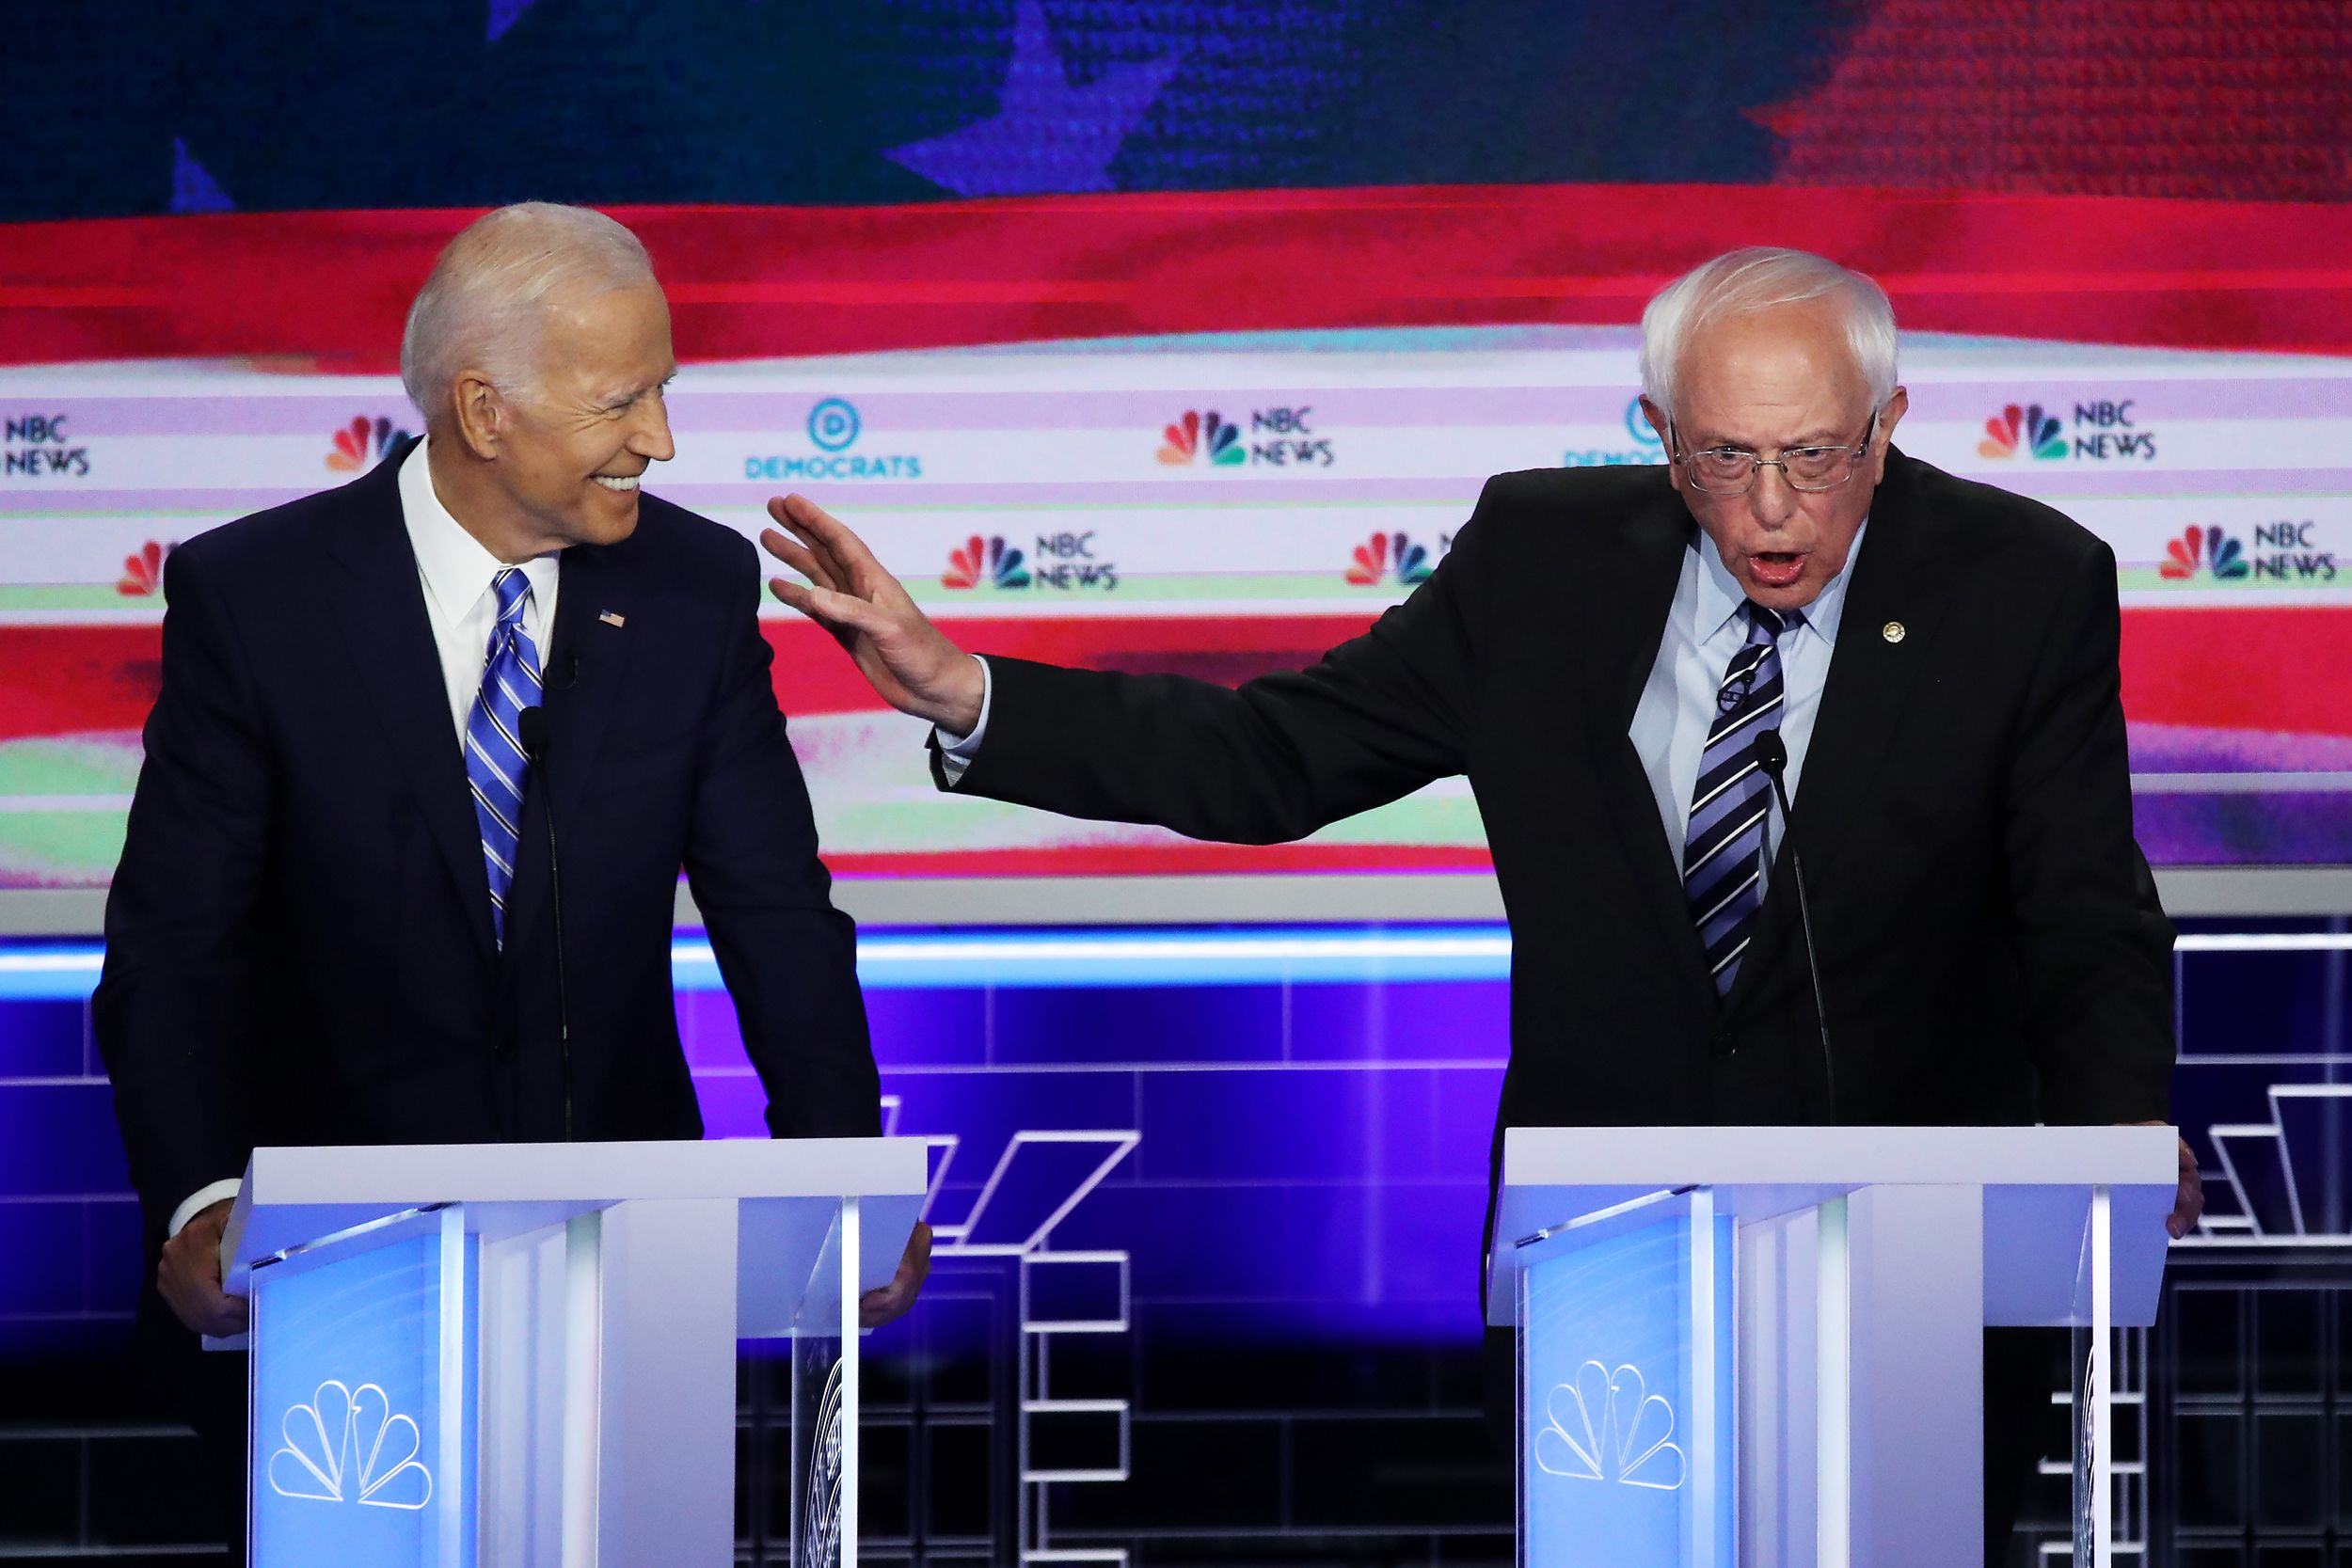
[1725,1042]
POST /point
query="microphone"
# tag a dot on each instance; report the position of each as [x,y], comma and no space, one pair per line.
[570,677]
[1773,757]
[532,727]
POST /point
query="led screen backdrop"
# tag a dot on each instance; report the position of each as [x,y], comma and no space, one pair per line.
[1181,337]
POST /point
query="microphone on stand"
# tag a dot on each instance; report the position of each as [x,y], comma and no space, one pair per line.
[1773,757]
[532,727]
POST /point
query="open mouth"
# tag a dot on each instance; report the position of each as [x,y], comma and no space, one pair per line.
[616,482]
[1777,568]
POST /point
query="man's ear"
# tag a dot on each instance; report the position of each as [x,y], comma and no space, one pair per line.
[481,413]
[1897,407]
[1659,423]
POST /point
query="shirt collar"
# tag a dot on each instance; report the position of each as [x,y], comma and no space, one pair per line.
[1721,596]
[457,571]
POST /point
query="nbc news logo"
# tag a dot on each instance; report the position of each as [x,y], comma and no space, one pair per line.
[1390,557]
[1279,437]
[2105,429]
[2285,553]
[361,445]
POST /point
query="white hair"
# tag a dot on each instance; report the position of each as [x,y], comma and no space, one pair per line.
[1759,278]
[480,307]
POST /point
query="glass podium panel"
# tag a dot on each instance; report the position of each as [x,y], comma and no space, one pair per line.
[363,1395]
[1626,1384]
[825,1404]
[818,1468]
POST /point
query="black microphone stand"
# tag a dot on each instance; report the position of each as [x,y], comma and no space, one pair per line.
[532,723]
[1772,756]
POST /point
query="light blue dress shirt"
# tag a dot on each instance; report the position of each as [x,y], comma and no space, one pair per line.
[1704,628]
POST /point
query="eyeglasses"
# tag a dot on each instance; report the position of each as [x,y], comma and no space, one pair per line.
[1730,471]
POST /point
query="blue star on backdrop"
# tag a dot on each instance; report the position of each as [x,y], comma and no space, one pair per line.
[1047,134]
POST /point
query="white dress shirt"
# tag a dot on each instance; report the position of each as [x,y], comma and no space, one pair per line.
[1704,628]
[458,601]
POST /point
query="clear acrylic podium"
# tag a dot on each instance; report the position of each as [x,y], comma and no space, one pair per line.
[1760,1346]
[524,1354]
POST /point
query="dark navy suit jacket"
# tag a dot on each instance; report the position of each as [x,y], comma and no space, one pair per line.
[298,941]
[1990,946]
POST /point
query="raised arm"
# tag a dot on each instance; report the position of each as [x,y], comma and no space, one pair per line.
[1377,718]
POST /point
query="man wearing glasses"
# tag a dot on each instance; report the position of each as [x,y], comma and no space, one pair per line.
[1618,659]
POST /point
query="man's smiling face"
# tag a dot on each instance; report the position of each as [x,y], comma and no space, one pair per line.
[1767,381]
[594,421]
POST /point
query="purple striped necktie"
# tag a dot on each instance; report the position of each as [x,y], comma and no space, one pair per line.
[496,769]
[1723,855]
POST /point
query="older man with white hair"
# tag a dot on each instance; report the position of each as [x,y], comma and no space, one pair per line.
[332,919]
[1619,660]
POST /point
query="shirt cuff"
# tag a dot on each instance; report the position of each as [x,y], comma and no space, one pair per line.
[955,751]
[198,1201]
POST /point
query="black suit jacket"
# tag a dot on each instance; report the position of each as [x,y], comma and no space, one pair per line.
[1991,946]
[299,940]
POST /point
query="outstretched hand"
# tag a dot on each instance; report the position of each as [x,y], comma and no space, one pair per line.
[909,663]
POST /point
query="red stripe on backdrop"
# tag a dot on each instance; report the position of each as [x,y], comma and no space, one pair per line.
[330,289]
[2252,669]
[814,675]
[2280,670]
[71,680]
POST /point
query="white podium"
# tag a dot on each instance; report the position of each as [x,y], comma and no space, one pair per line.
[525,1355]
[1760,1346]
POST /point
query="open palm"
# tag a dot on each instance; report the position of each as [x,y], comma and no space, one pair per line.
[909,663]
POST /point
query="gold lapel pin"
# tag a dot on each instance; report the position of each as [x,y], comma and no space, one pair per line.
[1893,631]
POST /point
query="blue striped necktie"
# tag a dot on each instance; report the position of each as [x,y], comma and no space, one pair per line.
[1723,855]
[495,764]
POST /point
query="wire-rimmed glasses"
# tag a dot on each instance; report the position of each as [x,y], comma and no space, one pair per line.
[1730,471]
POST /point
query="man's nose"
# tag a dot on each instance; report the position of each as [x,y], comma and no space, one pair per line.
[651,438]
[1771,499]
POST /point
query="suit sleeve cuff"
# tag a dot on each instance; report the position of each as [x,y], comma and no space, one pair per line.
[957,751]
[198,1201]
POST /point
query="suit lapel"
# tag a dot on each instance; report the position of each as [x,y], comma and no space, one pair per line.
[585,662]
[1626,621]
[399,668]
[1871,674]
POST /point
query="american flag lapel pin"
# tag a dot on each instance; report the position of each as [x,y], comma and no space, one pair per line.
[614,618]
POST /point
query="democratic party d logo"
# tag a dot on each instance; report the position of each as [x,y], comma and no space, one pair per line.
[834,424]
[362,443]
[2221,556]
[2029,428]
[1196,433]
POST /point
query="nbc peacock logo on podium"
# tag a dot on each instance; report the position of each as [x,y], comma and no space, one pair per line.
[1607,1426]
[347,1446]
